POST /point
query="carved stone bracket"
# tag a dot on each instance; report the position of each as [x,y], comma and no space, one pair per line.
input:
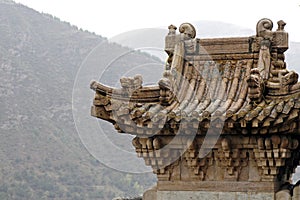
[198,166]
[232,159]
[272,154]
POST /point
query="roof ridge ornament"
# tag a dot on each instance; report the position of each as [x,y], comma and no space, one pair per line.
[281,25]
[187,30]
[264,28]
[273,78]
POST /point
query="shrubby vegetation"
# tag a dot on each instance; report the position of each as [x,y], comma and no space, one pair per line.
[41,154]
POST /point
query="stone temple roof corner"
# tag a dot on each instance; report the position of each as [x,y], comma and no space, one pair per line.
[243,79]
[223,118]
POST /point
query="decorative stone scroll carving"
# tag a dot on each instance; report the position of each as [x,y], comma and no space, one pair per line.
[260,74]
[188,31]
[264,29]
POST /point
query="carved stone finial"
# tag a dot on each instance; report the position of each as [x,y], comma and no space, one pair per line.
[137,81]
[281,40]
[281,25]
[188,30]
[125,82]
[130,84]
[172,29]
[166,94]
[255,86]
[264,28]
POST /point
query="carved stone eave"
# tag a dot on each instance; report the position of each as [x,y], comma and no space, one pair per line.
[281,113]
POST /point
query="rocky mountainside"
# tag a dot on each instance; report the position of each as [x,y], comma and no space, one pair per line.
[41,154]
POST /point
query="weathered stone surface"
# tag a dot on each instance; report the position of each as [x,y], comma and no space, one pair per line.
[296,192]
[127,198]
[195,195]
[283,195]
[150,194]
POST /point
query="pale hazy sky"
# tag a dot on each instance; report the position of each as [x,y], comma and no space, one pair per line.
[112,17]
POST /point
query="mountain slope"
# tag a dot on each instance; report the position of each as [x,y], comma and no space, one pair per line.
[41,154]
